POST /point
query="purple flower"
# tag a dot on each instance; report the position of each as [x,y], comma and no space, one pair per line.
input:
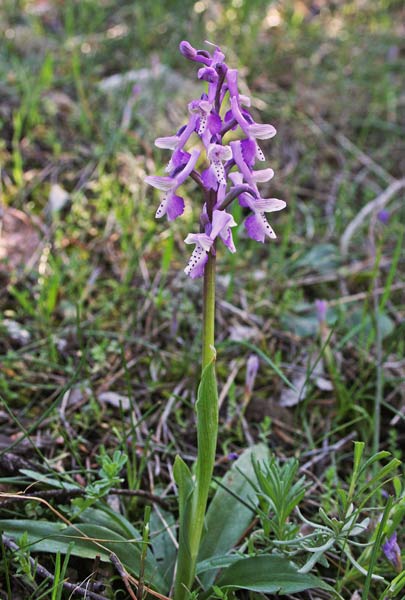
[217,155]
[220,226]
[171,204]
[257,226]
[191,53]
[321,307]
[383,216]
[392,552]
[228,171]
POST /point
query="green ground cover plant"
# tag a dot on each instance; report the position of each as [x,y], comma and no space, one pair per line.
[100,330]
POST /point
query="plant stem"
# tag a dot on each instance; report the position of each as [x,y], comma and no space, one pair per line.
[207,434]
[208,351]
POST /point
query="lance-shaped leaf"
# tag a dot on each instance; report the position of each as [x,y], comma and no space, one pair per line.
[89,540]
[269,574]
[186,490]
[232,509]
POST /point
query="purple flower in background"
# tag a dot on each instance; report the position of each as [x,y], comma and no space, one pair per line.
[228,169]
[383,216]
[392,552]
[321,307]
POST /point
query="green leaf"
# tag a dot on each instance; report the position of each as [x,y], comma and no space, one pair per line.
[320,258]
[229,515]
[365,323]
[382,474]
[51,481]
[106,517]
[45,536]
[207,428]
[217,562]
[186,488]
[301,325]
[268,574]
[185,484]
[162,536]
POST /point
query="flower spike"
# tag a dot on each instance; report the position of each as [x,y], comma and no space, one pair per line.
[228,171]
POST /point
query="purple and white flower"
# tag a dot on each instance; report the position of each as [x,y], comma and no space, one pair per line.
[172,205]
[204,242]
[228,171]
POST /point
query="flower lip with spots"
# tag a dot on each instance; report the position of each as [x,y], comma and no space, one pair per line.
[204,242]
[228,170]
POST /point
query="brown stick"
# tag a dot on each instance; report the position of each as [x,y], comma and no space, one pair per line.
[122,573]
[61,494]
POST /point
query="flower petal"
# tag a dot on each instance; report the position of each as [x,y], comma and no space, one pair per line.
[209,180]
[196,265]
[182,176]
[238,116]
[169,143]
[221,220]
[161,183]
[201,239]
[219,171]
[269,204]
[208,74]
[229,117]
[178,159]
[240,162]
[258,227]
[244,100]
[214,123]
[259,153]
[236,178]
[191,53]
[262,175]
[226,237]
[248,148]
[262,131]
[232,81]
[202,124]
[218,152]
[174,207]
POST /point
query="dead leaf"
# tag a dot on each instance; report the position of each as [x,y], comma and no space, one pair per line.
[58,198]
[19,239]
[114,399]
[16,332]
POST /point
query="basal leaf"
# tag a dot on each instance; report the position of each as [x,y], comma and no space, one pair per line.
[88,541]
[268,574]
[207,417]
[229,515]
[162,537]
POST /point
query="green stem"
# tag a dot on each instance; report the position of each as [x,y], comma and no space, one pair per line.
[208,351]
[207,433]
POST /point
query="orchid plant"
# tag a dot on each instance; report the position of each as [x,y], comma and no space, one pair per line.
[225,172]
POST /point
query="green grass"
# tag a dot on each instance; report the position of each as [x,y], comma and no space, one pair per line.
[106,305]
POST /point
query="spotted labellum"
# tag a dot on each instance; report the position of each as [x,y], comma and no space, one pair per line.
[227,169]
